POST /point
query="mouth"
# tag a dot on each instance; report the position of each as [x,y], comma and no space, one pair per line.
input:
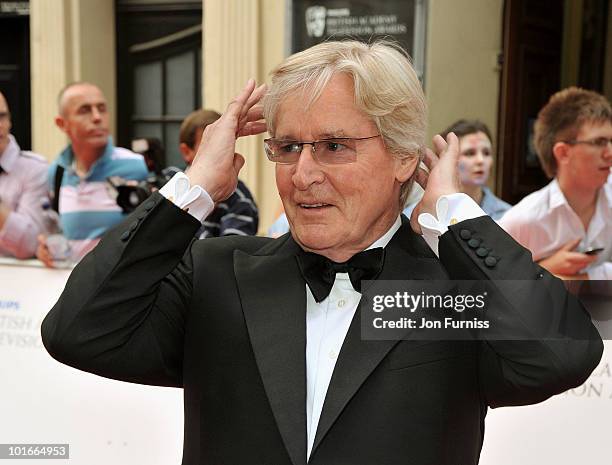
[313,206]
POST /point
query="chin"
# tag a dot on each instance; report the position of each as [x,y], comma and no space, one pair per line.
[314,237]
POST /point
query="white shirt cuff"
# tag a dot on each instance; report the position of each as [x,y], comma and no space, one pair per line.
[450,209]
[192,199]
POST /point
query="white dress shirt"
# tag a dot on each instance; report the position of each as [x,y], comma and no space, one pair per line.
[544,221]
[327,322]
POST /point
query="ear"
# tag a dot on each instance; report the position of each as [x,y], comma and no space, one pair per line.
[561,152]
[60,123]
[405,168]
[187,152]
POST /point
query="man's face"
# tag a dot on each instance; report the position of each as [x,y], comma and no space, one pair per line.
[84,117]
[5,124]
[587,165]
[337,210]
[474,159]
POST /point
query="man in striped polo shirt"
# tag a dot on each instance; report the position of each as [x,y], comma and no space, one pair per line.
[87,207]
[236,215]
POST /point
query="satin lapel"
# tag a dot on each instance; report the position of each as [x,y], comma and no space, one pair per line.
[358,358]
[273,296]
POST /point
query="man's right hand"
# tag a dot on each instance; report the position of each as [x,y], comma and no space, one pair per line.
[42,252]
[566,262]
[216,165]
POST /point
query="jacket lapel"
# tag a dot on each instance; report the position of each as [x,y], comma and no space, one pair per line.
[406,257]
[273,296]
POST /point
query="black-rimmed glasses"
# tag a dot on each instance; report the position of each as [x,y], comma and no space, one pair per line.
[333,151]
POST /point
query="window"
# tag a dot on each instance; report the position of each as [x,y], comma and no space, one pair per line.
[159,50]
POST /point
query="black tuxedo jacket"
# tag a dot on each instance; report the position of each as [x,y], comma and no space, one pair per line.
[226,320]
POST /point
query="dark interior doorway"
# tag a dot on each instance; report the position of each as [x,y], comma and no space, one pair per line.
[159,78]
[532,61]
[15,73]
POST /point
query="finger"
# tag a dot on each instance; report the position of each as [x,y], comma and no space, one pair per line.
[421,177]
[235,107]
[251,129]
[579,259]
[238,162]
[571,245]
[452,148]
[440,145]
[254,114]
[430,159]
[254,98]
[42,239]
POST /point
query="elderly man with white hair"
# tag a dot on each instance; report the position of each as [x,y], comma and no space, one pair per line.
[264,335]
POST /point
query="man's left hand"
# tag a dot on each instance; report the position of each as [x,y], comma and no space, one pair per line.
[442,178]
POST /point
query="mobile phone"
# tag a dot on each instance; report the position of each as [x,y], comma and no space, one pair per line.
[592,250]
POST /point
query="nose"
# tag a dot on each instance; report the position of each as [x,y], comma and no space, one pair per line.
[96,114]
[307,170]
[479,157]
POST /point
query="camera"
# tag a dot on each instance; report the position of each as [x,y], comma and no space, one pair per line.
[129,194]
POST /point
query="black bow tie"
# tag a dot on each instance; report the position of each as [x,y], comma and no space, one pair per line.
[320,272]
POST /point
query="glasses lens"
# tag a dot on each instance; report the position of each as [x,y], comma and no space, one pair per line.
[336,151]
[602,142]
[282,151]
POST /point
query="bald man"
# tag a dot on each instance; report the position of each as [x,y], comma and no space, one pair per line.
[86,207]
[23,184]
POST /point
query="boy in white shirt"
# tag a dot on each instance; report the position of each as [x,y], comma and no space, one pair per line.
[567,224]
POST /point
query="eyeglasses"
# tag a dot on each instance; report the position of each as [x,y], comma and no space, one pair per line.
[335,151]
[601,142]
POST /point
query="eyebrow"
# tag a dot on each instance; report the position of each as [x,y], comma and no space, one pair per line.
[333,134]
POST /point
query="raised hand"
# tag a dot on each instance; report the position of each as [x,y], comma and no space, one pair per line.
[441,177]
[216,165]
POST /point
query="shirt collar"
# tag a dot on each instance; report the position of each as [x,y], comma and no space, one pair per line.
[556,197]
[66,157]
[486,196]
[607,192]
[10,155]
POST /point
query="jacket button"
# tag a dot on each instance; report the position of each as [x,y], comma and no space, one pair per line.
[482,252]
[473,243]
[125,236]
[149,205]
[465,234]
[133,226]
[490,261]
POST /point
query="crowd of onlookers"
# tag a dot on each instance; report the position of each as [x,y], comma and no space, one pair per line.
[567,224]
[92,184]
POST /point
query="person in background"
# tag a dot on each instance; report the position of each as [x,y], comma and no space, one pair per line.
[475,163]
[23,184]
[567,224]
[238,214]
[84,200]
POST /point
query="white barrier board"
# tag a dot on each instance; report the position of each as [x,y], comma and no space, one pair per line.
[42,401]
[110,422]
